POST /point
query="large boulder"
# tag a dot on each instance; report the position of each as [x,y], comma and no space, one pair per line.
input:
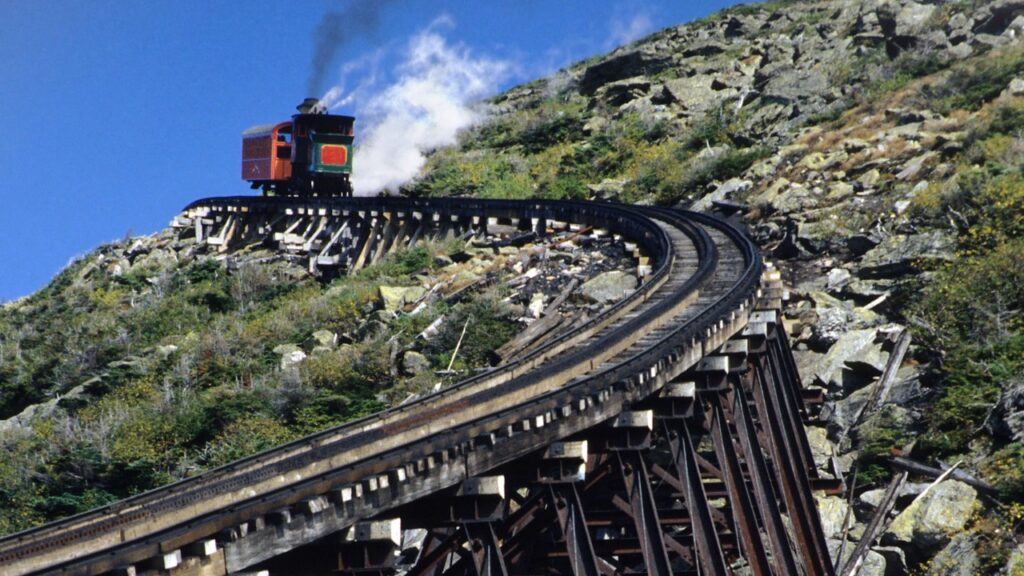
[371,329]
[291,355]
[835,317]
[623,91]
[414,363]
[900,254]
[395,297]
[996,17]
[1015,565]
[644,61]
[787,197]
[608,287]
[958,558]
[821,446]
[912,18]
[325,338]
[852,361]
[820,236]
[841,413]
[155,261]
[693,93]
[786,83]
[1007,419]
[724,191]
[885,428]
[908,491]
[833,511]
[932,518]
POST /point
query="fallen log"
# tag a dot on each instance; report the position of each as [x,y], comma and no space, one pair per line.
[881,392]
[875,527]
[535,330]
[456,295]
[562,297]
[846,520]
[931,472]
[549,320]
[888,377]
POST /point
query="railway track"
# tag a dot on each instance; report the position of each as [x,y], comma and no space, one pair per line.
[704,277]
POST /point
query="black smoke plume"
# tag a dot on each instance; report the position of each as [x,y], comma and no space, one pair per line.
[356,20]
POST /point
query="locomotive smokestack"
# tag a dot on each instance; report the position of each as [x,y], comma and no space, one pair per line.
[311,106]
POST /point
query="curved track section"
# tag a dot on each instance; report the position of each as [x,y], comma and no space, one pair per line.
[704,275]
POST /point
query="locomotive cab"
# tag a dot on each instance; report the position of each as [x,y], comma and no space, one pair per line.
[311,155]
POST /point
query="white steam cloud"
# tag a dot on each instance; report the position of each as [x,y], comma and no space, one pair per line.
[430,100]
[624,33]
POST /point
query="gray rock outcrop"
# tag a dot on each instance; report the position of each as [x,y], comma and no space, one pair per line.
[931,519]
[608,287]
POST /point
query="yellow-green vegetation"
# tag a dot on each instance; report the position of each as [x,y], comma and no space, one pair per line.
[163,372]
[993,531]
[1006,469]
[877,438]
[548,150]
[992,534]
[969,312]
[985,198]
[971,84]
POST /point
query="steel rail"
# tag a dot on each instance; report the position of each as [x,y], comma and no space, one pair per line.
[176,495]
[660,250]
[313,446]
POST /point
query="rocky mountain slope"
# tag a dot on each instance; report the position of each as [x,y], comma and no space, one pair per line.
[874,148]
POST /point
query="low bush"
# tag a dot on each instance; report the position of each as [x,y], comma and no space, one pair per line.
[973,83]
[1005,470]
[970,311]
[975,300]
[488,325]
[877,439]
[675,177]
[244,437]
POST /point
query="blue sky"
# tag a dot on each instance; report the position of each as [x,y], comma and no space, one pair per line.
[115,114]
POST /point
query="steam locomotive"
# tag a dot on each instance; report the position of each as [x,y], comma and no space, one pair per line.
[309,155]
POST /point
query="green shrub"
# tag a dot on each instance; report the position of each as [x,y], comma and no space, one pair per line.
[674,180]
[488,325]
[709,131]
[243,438]
[602,156]
[1008,118]
[492,176]
[547,132]
[971,378]
[884,76]
[1005,470]
[974,82]
[220,395]
[506,182]
[975,300]
[877,438]
[565,188]
[970,312]
[400,264]
[446,175]
[68,504]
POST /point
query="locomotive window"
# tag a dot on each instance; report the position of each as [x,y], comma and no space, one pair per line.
[284,152]
[284,137]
